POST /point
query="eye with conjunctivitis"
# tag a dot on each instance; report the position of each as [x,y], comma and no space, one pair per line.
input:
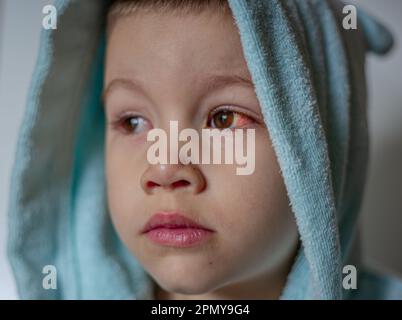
[228,119]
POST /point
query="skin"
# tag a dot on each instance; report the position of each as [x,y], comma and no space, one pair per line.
[172,60]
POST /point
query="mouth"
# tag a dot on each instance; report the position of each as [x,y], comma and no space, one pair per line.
[175,230]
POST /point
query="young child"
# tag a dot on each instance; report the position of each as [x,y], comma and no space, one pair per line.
[186,64]
[88,201]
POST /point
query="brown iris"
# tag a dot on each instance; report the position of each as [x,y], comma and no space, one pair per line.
[130,124]
[223,119]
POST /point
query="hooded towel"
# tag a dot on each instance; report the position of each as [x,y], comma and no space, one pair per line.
[308,73]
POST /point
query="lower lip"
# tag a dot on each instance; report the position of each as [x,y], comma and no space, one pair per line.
[179,237]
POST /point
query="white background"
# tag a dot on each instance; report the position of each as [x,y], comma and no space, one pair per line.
[20,24]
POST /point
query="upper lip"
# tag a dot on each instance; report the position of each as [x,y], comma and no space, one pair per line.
[172,221]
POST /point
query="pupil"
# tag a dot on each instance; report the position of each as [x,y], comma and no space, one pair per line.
[132,123]
[224,119]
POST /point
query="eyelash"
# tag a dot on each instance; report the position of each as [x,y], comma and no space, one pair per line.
[119,123]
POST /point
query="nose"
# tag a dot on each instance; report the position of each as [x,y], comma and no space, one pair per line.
[170,177]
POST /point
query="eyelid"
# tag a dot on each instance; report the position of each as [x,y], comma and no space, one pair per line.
[126,114]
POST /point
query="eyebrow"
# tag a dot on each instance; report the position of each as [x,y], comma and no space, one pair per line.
[130,84]
[212,83]
[216,82]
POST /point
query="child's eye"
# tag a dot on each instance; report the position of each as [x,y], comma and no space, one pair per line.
[134,124]
[228,119]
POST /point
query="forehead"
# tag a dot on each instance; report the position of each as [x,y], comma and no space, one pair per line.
[152,43]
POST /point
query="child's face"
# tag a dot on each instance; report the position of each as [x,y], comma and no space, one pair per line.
[173,60]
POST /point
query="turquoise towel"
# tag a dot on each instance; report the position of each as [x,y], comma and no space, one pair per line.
[309,78]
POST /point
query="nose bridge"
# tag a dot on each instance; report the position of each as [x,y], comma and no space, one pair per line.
[176,100]
[176,118]
[178,113]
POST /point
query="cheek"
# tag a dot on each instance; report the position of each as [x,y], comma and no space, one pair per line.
[253,210]
[124,164]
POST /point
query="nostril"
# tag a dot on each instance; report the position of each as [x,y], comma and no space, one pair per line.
[180,184]
[151,185]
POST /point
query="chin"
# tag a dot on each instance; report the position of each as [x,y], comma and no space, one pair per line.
[185,287]
[190,283]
